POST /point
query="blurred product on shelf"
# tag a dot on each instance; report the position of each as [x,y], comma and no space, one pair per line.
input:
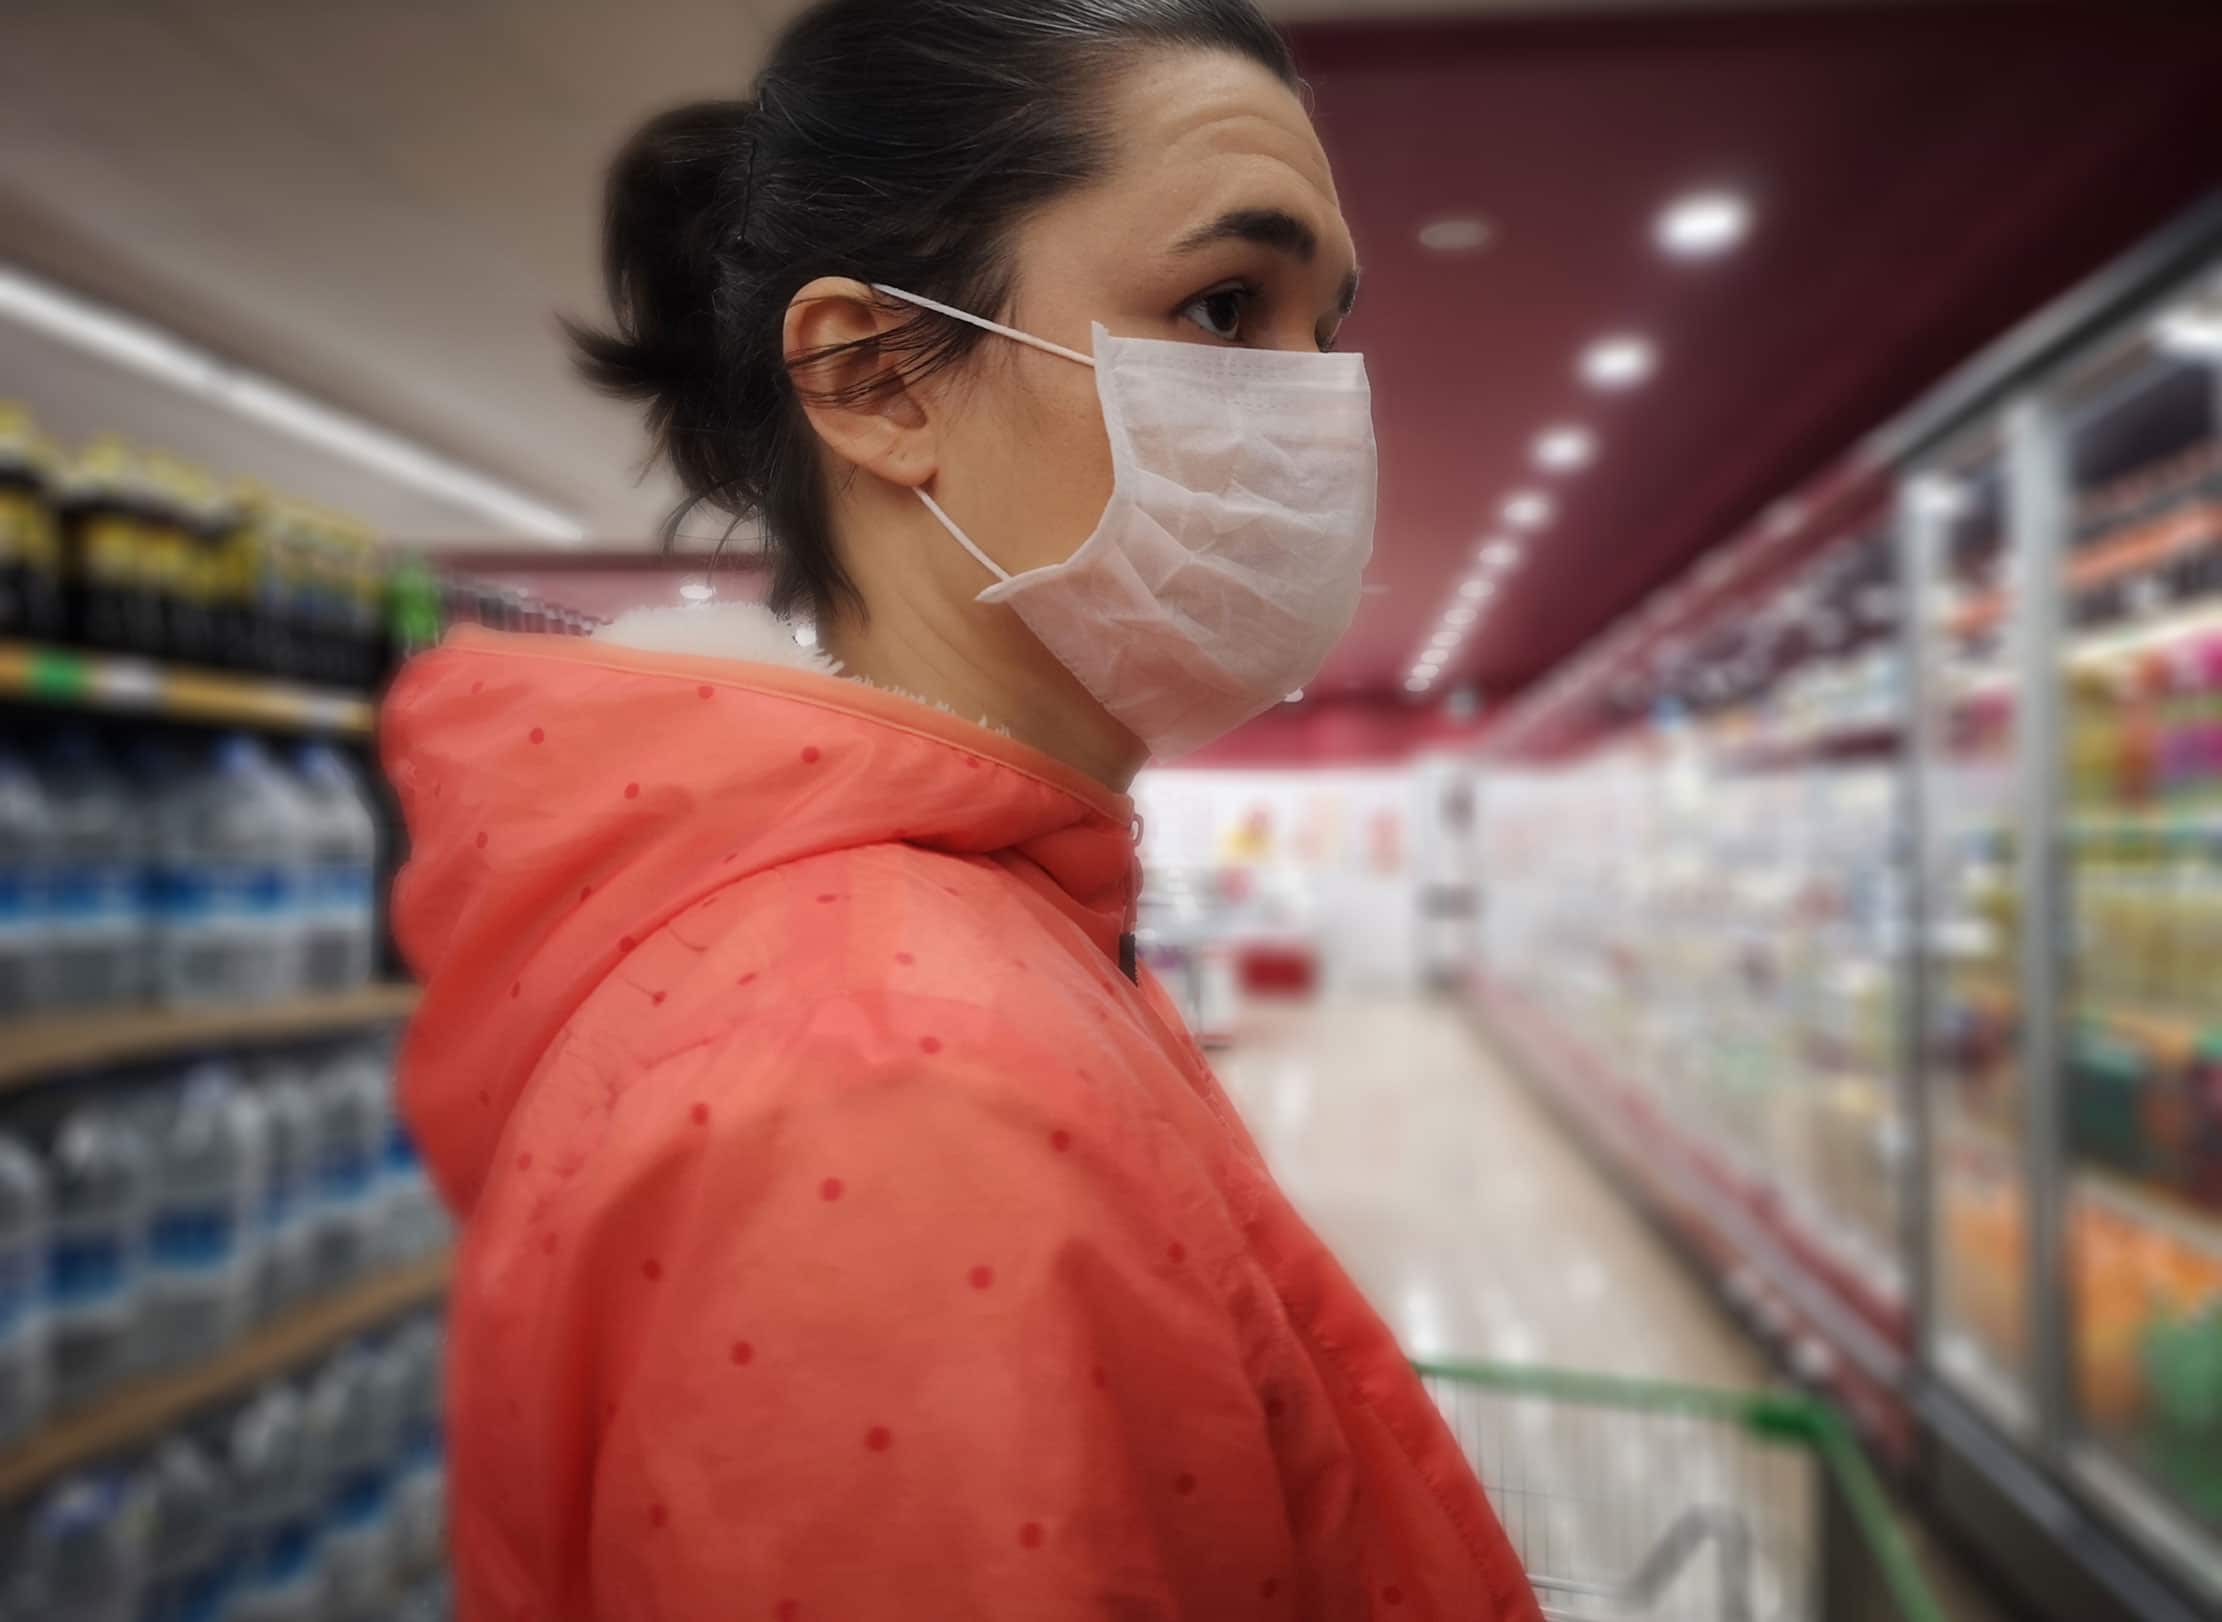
[177,1209]
[96,1273]
[234,878]
[136,552]
[319,1499]
[23,1258]
[1748,972]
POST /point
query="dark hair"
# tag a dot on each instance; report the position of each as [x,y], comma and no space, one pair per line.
[894,141]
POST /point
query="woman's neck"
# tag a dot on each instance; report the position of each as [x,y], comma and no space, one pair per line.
[979,661]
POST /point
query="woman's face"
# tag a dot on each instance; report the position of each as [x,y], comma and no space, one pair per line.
[1216,224]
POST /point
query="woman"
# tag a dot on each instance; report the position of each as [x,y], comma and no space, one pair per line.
[850,1231]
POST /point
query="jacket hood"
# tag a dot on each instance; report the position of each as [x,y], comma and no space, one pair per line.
[567,797]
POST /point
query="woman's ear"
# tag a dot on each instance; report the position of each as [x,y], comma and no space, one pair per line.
[850,387]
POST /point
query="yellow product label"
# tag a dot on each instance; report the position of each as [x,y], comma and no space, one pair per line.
[17,513]
[236,564]
[163,560]
[114,550]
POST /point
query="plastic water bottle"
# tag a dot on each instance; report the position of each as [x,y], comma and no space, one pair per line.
[23,1259]
[351,1110]
[84,1557]
[188,1573]
[209,1169]
[414,1224]
[26,863]
[232,853]
[359,1413]
[288,1225]
[412,1368]
[340,926]
[274,1514]
[96,1261]
[96,914]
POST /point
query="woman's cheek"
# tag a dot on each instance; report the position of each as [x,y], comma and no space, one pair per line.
[1060,465]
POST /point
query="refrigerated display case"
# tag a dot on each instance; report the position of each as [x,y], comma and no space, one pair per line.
[2138,851]
[1915,934]
[1744,975]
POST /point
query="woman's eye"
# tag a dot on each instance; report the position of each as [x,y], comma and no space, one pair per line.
[1220,313]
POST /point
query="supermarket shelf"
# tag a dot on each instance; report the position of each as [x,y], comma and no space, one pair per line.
[133,686]
[2128,552]
[34,1050]
[2113,824]
[2157,1209]
[2170,1036]
[2154,1209]
[146,1410]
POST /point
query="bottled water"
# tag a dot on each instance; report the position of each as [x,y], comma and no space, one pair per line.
[274,1513]
[202,1236]
[84,1556]
[232,859]
[413,1224]
[96,1261]
[96,898]
[358,1414]
[340,924]
[289,1215]
[187,1569]
[23,1260]
[412,1366]
[351,1108]
[26,862]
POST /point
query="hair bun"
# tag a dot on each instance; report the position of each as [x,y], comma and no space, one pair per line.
[671,217]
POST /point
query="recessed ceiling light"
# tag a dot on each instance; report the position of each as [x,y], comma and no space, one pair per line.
[1565,448]
[2193,330]
[1619,362]
[806,636]
[1500,554]
[1703,224]
[1461,616]
[1456,233]
[1527,509]
[1296,697]
[1415,684]
[698,591]
[1474,588]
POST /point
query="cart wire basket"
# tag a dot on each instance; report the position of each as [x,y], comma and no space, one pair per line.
[1635,1500]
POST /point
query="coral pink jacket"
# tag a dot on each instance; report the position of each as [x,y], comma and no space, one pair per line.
[846,1237]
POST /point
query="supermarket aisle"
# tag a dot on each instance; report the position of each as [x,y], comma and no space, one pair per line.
[1469,1217]
[1458,1204]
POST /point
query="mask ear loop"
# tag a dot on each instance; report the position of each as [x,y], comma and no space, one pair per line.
[985,325]
[961,538]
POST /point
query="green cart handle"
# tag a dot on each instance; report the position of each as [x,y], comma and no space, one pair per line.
[1789,1418]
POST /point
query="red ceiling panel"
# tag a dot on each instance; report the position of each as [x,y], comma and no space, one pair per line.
[1923,178]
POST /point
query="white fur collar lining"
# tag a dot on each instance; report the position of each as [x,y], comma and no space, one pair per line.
[747,631]
[717,630]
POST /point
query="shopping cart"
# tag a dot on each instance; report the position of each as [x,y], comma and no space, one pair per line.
[1641,1501]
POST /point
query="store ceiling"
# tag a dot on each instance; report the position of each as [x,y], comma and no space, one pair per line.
[1919,183]
[384,203]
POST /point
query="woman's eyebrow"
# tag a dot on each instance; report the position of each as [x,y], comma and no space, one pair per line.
[1271,228]
[1268,227]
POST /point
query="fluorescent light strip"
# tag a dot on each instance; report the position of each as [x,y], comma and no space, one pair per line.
[153,353]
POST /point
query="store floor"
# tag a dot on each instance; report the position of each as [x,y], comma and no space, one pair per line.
[1465,1213]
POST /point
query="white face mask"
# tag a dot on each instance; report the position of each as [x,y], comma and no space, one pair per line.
[1228,562]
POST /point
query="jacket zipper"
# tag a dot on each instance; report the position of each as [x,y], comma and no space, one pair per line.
[1129,950]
